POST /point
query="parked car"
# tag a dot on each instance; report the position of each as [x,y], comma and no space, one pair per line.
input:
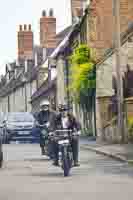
[18,127]
[1,139]
[2,116]
[1,153]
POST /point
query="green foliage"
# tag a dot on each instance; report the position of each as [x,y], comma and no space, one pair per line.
[81,55]
[130,126]
[83,76]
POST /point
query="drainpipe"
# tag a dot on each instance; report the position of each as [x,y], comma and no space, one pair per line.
[8,104]
[67,83]
[25,97]
[24,81]
[94,106]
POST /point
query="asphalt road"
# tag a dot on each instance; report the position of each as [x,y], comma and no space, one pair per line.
[26,175]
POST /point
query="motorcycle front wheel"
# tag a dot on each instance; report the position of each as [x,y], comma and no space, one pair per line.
[65,161]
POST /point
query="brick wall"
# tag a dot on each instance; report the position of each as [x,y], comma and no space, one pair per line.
[101,22]
[76,7]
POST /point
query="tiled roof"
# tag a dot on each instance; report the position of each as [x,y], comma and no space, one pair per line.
[63,33]
[14,83]
[11,85]
[45,87]
[64,43]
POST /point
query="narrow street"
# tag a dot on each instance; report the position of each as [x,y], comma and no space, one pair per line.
[25,175]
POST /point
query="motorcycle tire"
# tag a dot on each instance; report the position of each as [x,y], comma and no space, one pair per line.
[65,162]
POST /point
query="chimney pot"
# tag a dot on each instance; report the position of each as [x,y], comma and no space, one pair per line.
[29,27]
[51,13]
[20,28]
[44,13]
[25,27]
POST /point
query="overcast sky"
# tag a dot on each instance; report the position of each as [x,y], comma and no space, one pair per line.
[15,12]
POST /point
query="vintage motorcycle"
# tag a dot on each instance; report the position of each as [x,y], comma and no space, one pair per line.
[63,139]
[46,139]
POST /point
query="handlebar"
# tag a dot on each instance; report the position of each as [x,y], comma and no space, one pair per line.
[65,133]
[43,125]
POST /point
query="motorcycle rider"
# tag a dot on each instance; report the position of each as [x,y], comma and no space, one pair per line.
[43,117]
[66,120]
[73,125]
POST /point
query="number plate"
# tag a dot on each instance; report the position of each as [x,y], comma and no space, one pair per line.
[23,132]
[63,142]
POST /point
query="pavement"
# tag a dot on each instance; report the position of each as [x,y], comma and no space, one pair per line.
[26,175]
[122,152]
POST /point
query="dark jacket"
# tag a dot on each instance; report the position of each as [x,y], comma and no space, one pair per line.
[56,122]
[46,116]
[43,117]
[73,123]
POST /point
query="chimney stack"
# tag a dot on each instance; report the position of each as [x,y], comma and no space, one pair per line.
[29,27]
[25,42]
[48,30]
[51,13]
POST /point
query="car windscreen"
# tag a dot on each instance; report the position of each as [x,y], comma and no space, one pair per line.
[17,117]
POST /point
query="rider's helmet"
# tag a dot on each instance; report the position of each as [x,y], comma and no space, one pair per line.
[44,105]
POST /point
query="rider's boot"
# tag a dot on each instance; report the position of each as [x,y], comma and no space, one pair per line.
[56,163]
[76,164]
[42,151]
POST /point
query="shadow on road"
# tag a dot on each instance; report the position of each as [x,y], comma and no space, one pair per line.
[37,159]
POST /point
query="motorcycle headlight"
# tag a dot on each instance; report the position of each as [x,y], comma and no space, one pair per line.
[51,133]
[66,135]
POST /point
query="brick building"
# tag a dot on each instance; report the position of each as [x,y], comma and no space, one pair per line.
[77,8]
[101,22]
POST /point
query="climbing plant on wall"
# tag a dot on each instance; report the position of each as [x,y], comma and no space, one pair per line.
[83,76]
